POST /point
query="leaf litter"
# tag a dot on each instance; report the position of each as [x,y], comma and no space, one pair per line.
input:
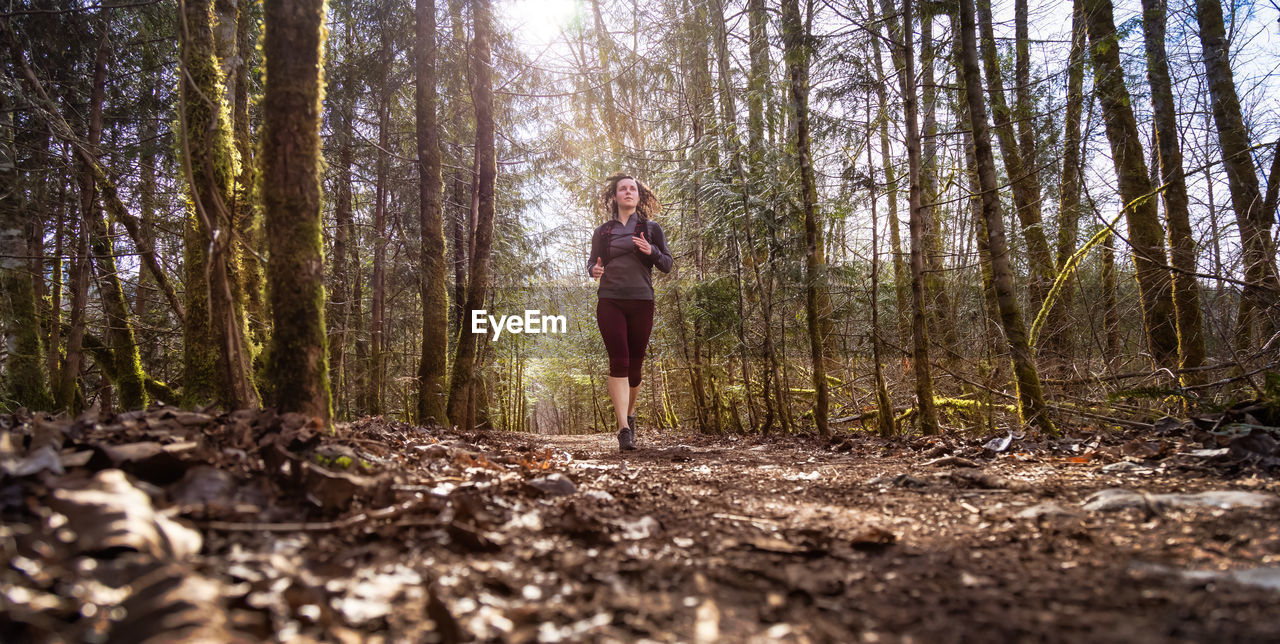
[165,524]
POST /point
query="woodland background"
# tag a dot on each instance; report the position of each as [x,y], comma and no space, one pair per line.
[844,245]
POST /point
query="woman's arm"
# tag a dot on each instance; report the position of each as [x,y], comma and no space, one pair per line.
[661,257]
[597,250]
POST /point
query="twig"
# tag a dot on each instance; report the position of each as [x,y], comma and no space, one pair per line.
[317,526]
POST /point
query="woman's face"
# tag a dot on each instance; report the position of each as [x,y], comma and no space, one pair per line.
[627,194]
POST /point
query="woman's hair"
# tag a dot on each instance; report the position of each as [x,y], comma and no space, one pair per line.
[648,205]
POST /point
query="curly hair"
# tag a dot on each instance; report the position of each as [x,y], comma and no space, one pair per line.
[648,205]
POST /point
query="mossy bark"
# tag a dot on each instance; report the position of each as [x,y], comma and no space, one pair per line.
[1252,218]
[463,390]
[433,399]
[25,381]
[293,44]
[1059,340]
[919,303]
[1031,404]
[129,380]
[1182,244]
[1024,177]
[216,355]
[250,236]
[817,298]
[940,318]
[1146,235]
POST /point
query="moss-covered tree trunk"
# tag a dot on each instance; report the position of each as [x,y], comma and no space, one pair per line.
[1059,340]
[463,389]
[901,280]
[928,415]
[1146,235]
[129,379]
[1252,218]
[1182,243]
[293,43]
[1031,403]
[217,358]
[817,299]
[250,238]
[26,382]
[433,398]
[1023,175]
[940,318]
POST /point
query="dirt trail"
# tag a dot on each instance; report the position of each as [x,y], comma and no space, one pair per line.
[793,542]
[382,531]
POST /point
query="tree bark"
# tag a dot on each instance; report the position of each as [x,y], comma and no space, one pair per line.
[432,371]
[1023,175]
[1031,404]
[26,383]
[462,385]
[901,279]
[1146,235]
[293,42]
[129,381]
[919,325]
[1182,244]
[216,355]
[1253,220]
[377,317]
[935,286]
[1059,339]
[817,299]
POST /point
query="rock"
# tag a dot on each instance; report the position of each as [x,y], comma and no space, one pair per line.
[1119,499]
[1046,509]
[1126,466]
[554,484]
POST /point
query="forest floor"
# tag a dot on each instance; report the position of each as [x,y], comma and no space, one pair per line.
[250,526]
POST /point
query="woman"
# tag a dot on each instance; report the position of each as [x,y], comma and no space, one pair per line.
[624,251]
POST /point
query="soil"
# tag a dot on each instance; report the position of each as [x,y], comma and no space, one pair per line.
[382,531]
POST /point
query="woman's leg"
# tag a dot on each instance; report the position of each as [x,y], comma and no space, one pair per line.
[639,328]
[612,320]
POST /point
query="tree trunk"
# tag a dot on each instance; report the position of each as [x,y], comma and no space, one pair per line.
[939,303]
[919,326]
[432,372]
[1182,244]
[25,381]
[377,317]
[1059,339]
[1146,235]
[293,40]
[1023,175]
[817,299]
[901,279]
[884,405]
[462,384]
[251,242]
[216,354]
[1252,218]
[1031,404]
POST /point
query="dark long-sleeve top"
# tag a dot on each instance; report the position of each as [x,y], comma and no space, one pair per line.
[628,273]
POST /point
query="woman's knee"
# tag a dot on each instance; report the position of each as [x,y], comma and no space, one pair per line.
[634,374]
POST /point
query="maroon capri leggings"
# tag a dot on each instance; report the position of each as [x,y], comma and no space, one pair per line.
[625,326]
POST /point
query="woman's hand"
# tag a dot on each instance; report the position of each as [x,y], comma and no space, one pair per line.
[643,244]
[598,269]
